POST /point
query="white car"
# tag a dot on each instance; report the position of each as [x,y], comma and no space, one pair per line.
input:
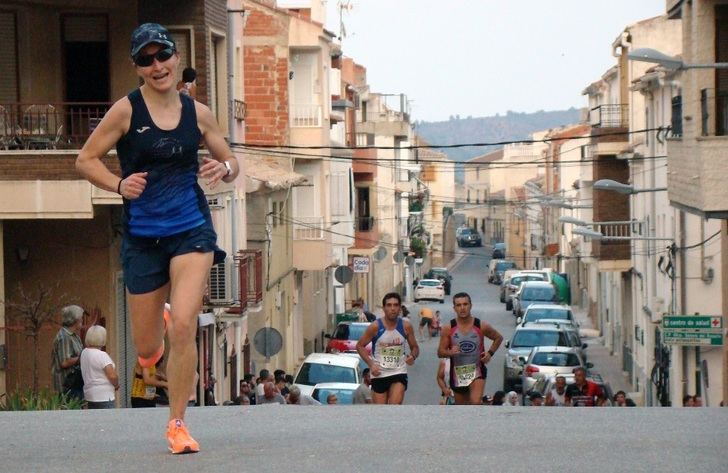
[548,313]
[326,368]
[430,289]
[344,392]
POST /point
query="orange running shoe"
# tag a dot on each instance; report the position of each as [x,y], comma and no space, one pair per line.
[179,438]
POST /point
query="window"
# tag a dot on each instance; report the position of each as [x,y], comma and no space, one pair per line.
[314,373]
[340,193]
[274,215]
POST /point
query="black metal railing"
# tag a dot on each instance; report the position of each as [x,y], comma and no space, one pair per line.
[610,116]
[713,112]
[676,119]
[60,125]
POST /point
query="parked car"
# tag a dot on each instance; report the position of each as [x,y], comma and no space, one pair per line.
[524,339]
[499,251]
[326,368]
[430,289]
[469,237]
[496,269]
[443,275]
[548,313]
[345,337]
[344,392]
[532,292]
[546,361]
[514,283]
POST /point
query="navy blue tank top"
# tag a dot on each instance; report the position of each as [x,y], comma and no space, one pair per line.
[172,201]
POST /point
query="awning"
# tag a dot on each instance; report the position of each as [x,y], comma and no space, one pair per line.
[273,173]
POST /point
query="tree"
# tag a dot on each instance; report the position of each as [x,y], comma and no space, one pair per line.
[32,311]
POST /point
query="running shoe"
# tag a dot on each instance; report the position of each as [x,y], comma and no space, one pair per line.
[180,440]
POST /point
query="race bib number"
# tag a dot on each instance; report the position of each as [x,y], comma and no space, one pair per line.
[391,357]
[150,392]
[465,374]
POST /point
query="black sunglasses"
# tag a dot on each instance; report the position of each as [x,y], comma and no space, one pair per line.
[148,59]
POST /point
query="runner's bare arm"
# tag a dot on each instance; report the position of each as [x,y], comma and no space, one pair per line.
[443,349]
[497,338]
[107,133]
[364,340]
[412,340]
[441,378]
[219,149]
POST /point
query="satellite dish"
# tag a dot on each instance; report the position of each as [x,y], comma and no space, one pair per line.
[409,261]
[268,342]
[343,274]
[399,257]
[380,254]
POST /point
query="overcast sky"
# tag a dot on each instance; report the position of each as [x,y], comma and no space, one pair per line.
[482,57]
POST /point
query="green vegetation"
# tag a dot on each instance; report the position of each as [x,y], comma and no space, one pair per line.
[418,247]
[44,400]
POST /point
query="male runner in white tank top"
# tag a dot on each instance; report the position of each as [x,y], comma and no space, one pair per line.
[388,363]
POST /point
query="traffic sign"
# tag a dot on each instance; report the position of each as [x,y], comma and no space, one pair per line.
[693,330]
[360,264]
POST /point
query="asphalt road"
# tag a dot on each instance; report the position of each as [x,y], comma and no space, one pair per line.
[371,438]
[470,276]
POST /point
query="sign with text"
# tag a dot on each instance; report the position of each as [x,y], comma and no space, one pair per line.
[360,264]
[693,330]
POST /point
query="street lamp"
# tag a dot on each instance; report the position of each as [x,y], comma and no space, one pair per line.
[626,189]
[573,220]
[587,232]
[669,62]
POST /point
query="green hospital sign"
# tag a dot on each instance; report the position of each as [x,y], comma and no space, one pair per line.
[693,330]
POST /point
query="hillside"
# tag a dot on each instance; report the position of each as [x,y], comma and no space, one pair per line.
[511,126]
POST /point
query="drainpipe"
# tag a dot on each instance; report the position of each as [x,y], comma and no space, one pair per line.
[683,307]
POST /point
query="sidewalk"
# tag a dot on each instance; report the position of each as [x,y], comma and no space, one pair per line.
[606,365]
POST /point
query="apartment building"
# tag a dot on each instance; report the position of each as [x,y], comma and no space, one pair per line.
[483,208]
[439,178]
[696,185]
[64,65]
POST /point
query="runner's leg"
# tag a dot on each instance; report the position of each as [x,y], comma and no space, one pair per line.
[379,398]
[396,393]
[477,387]
[188,274]
[147,323]
[462,398]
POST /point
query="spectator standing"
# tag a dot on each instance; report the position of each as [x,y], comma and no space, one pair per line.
[583,393]
[264,377]
[281,385]
[297,398]
[100,380]
[536,399]
[66,353]
[363,394]
[557,395]
[187,85]
[621,400]
[511,399]
[145,384]
[498,398]
[425,320]
[270,395]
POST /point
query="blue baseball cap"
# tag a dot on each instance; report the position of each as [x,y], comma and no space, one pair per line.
[150,33]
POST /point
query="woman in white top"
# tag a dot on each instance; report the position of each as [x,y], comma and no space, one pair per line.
[100,380]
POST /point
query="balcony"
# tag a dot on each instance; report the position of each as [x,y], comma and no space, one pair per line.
[610,125]
[60,125]
[364,163]
[250,276]
[305,115]
[615,250]
[366,234]
[713,112]
[311,244]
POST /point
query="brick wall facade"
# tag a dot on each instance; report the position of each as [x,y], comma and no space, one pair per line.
[611,206]
[265,75]
[49,167]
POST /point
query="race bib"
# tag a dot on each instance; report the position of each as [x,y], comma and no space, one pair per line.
[150,392]
[391,357]
[465,374]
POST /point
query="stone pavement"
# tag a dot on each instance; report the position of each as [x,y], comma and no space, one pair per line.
[605,364]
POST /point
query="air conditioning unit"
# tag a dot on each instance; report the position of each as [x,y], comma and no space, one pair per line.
[220,288]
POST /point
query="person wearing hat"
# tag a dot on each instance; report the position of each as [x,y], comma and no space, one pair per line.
[169,243]
[536,398]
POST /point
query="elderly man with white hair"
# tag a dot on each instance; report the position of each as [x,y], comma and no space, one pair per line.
[100,380]
[67,347]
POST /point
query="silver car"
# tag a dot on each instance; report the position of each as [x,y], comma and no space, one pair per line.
[549,361]
[542,313]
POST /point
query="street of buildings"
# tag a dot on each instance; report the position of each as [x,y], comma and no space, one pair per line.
[336,178]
